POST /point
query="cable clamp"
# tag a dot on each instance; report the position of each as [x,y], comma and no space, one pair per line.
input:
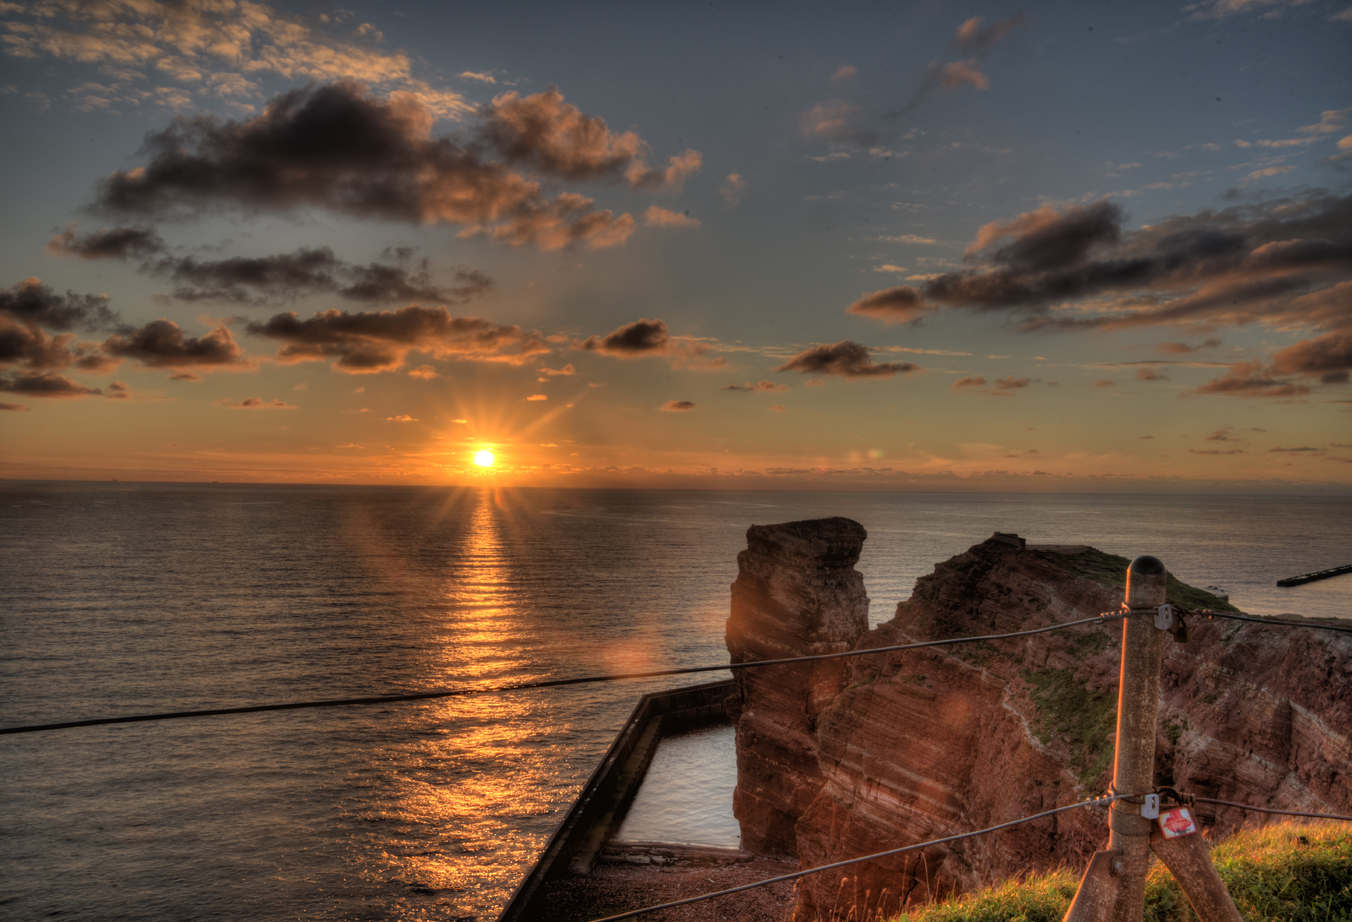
[1164,617]
[1151,808]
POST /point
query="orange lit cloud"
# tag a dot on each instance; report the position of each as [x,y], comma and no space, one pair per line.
[677,406]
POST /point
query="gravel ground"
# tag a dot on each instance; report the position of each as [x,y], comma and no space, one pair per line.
[619,886]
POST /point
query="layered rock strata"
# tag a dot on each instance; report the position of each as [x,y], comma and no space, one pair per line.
[797,594]
[922,744]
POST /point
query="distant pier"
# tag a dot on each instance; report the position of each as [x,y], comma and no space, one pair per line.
[1312,577]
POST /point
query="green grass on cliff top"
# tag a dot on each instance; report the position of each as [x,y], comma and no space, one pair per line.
[1284,872]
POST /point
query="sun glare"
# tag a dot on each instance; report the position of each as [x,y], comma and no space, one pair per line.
[483,458]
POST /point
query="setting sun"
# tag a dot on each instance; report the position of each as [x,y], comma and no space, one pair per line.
[483,458]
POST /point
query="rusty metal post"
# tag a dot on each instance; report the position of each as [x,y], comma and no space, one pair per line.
[1113,886]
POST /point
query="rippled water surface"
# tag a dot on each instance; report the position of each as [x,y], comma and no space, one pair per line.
[127,598]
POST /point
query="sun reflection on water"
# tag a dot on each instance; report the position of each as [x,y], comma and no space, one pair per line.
[490,772]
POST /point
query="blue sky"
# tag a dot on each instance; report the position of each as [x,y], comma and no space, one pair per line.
[882,246]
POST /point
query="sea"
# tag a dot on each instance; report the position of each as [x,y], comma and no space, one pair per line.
[119,599]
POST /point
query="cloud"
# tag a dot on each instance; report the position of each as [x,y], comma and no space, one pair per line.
[28,346]
[661,217]
[1329,353]
[642,337]
[538,397]
[1104,382]
[1285,262]
[677,406]
[46,384]
[254,403]
[338,147]
[971,38]
[1002,387]
[1303,448]
[478,78]
[733,188]
[162,344]
[909,238]
[402,418]
[763,387]
[1269,171]
[138,241]
[891,305]
[555,137]
[845,73]
[14,407]
[778,408]
[974,38]
[366,342]
[208,47]
[264,279]
[32,302]
[845,358]
[1251,379]
[888,267]
[424,372]
[548,373]
[836,120]
[1185,349]
[1150,374]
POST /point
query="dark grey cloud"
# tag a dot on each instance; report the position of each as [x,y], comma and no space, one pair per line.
[380,341]
[28,346]
[763,387]
[338,147]
[642,337]
[32,302]
[163,344]
[845,358]
[137,242]
[1284,262]
[268,279]
[46,384]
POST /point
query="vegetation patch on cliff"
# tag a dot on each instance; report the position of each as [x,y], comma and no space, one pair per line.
[1296,872]
[1111,570]
[1083,718]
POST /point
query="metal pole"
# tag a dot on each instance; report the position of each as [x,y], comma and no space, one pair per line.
[1137,710]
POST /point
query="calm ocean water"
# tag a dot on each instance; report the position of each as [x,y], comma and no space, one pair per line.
[125,598]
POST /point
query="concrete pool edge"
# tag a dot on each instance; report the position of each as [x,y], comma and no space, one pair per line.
[599,808]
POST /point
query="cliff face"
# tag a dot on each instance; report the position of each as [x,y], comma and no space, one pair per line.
[797,594]
[922,744]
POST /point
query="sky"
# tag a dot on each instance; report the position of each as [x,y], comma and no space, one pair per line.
[893,246]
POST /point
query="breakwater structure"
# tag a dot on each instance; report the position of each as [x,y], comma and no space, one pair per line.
[599,809]
[1315,576]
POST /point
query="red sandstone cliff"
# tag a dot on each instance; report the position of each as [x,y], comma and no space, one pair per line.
[921,744]
[797,594]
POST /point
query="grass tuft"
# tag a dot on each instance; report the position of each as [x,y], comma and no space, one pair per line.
[1284,872]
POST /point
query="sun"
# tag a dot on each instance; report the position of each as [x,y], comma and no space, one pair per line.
[483,458]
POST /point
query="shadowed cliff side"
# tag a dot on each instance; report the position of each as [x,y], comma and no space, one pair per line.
[927,743]
[797,594]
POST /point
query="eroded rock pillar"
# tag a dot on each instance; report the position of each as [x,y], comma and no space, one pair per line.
[797,594]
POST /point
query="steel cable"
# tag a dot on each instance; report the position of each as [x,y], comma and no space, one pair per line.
[1092,802]
[1229,803]
[527,686]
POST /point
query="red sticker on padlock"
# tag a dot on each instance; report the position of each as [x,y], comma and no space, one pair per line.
[1177,822]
